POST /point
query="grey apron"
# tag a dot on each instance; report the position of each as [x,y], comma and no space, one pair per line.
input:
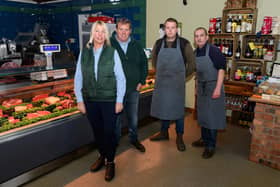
[211,113]
[168,101]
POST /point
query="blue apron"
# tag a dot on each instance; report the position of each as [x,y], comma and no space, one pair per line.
[168,101]
[211,113]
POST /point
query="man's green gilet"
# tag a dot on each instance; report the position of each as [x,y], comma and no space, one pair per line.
[104,88]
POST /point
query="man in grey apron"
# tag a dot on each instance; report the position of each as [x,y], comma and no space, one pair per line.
[168,102]
[210,65]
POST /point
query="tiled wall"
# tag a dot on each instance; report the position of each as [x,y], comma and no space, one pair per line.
[17,17]
[62,18]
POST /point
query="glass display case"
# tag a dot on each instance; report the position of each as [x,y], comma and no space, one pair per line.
[39,122]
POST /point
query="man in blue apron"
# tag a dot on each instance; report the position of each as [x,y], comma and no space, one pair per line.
[210,71]
[173,59]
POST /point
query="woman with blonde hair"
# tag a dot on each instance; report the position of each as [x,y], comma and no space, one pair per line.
[100,86]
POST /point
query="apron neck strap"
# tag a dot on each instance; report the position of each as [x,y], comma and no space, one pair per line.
[178,43]
[207,50]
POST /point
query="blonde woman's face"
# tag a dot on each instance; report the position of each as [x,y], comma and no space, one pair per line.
[99,35]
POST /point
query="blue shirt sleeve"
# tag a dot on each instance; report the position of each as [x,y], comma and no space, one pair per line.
[78,80]
[120,77]
[217,57]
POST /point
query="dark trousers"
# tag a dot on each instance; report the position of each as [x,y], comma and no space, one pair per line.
[102,118]
[179,125]
[209,137]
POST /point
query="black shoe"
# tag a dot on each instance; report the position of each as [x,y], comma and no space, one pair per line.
[180,143]
[198,143]
[208,153]
[110,171]
[98,164]
[139,146]
[162,135]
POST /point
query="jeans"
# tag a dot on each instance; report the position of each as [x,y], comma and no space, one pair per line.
[209,137]
[130,111]
[179,125]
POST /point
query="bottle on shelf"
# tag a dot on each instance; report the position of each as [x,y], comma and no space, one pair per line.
[249,23]
[225,48]
[249,75]
[238,24]
[260,48]
[233,24]
[243,23]
[244,120]
[238,51]
[270,50]
[237,75]
[248,52]
[255,49]
[218,25]
[228,70]
[228,25]
[212,25]
[230,48]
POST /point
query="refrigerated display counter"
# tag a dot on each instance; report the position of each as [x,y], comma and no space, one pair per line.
[33,146]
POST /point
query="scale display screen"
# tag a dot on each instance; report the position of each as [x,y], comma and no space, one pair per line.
[50,48]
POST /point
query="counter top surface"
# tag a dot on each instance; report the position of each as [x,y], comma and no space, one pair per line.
[265,101]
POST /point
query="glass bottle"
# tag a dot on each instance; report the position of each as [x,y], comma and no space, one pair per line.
[238,51]
[230,48]
[233,25]
[249,23]
[219,25]
[244,23]
[248,52]
[238,24]
[228,25]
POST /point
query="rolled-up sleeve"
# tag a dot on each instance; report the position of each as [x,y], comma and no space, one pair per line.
[78,80]
[120,77]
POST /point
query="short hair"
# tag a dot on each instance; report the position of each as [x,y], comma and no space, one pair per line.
[171,20]
[201,28]
[93,27]
[123,21]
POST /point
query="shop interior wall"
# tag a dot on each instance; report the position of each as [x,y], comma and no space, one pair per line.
[195,14]
[64,22]
[62,18]
[17,17]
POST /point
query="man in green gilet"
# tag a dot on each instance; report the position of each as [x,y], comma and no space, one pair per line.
[135,67]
